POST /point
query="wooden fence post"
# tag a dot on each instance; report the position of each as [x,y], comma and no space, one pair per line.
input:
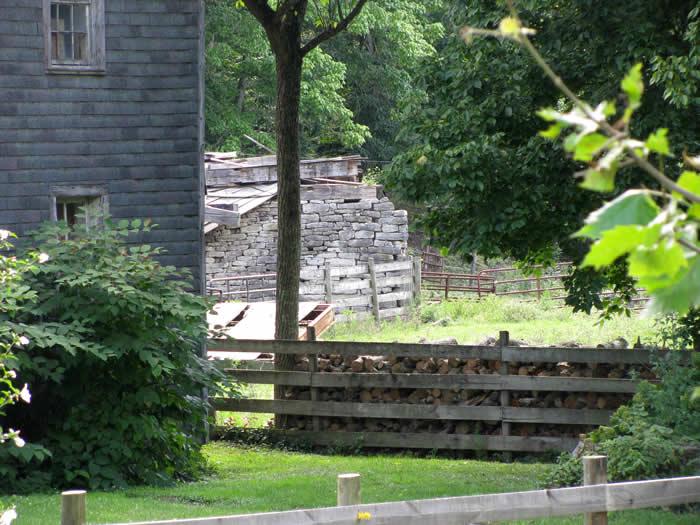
[373,287]
[417,278]
[503,342]
[595,472]
[348,490]
[329,283]
[73,507]
[313,368]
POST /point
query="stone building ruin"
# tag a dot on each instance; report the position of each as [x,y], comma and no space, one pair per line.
[345,224]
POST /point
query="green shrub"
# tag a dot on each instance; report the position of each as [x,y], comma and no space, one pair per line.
[656,435]
[113,360]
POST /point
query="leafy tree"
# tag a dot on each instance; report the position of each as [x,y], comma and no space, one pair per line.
[294,28]
[489,182]
[351,84]
[240,84]
[382,52]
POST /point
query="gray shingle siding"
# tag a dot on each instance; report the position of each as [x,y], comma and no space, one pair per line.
[135,129]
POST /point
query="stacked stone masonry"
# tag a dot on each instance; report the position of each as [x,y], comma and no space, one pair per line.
[338,232]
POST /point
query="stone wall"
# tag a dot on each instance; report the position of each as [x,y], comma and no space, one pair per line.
[340,232]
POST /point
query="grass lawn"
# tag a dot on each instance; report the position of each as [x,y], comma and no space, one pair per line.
[267,480]
[470,322]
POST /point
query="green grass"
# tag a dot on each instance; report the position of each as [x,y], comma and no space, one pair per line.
[248,419]
[469,321]
[260,480]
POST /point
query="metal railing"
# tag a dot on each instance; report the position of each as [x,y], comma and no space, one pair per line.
[240,286]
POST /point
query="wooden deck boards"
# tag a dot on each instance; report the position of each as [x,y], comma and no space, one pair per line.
[257,323]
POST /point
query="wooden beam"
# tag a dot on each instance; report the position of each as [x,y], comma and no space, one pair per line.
[427,440]
[264,169]
[595,472]
[384,410]
[222,216]
[483,508]
[353,348]
[521,355]
[416,381]
[324,192]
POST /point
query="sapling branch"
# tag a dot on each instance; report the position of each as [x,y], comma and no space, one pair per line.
[689,245]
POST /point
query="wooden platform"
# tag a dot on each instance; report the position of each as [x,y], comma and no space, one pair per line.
[257,321]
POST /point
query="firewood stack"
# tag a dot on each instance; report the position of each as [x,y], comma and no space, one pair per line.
[459,395]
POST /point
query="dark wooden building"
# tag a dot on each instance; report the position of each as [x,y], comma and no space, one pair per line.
[101,105]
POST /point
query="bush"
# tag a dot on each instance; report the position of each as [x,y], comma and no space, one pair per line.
[656,435]
[113,361]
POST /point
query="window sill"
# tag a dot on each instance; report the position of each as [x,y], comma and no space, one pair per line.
[75,70]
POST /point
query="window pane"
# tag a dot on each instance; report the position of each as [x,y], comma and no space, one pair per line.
[80,16]
[80,46]
[71,212]
[60,214]
[54,46]
[64,17]
[54,17]
[65,51]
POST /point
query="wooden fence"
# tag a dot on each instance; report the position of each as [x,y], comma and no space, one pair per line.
[505,414]
[378,290]
[594,500]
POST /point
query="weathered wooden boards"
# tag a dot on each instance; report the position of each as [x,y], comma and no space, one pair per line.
[256,320]
[481,509]
[477,382]
[516,354]
[225,172]
[451,393]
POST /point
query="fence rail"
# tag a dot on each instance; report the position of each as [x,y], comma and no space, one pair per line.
[504,413]
[240,286]
[594,500]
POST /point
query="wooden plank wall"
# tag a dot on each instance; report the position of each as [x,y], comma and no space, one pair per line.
[504,414]
[134,130]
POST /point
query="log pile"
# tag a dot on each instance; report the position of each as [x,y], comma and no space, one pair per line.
[459,395]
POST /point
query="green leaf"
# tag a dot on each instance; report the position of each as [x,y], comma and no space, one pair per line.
[609,108]
[630,208]
[658,143]
[682,294]
[690,181]
[663,261]
[548,114]
[552,131]
[619,241]
[599,180]
[588,146]
[633,85]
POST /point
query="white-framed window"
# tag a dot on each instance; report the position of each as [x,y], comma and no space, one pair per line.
[79,204]
[74,33]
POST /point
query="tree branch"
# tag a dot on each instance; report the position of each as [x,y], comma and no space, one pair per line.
[287,7]
[332,31]
[262,11]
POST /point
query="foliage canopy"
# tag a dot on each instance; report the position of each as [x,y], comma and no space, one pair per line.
[489,182]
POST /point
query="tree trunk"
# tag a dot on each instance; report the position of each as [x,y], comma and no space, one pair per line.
[289,64]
